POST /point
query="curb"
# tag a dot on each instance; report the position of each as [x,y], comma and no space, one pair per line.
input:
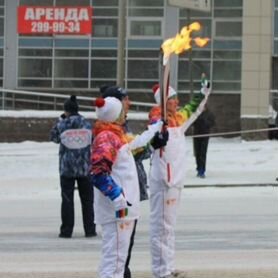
[231,185]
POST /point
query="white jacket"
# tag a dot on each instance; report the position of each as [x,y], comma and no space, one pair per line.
[124,173]
[168,166]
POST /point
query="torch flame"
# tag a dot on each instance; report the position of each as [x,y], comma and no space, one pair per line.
[183,41]
[201,42]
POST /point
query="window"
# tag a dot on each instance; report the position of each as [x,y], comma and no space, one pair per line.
[42,83]
[226,55]
[228,13]
[103,53]
[104,12]
[276,23]
[142,54]
[36,2]
[275,73]
[1,67]
[145,8]
[105,28]
[70,83]
[140,85]
[105,3]
[71,62]
[71,68]
[227,3]
[104,68]
[147,12]
[185,85]
[35,52]
[228,29]
[227,70]
[1,27]
[275,51]
[275,35]
[145,28]
[147,3]
[226,86]
[72,53]
[198,67]
[34,68]
[142,69]
[72,3]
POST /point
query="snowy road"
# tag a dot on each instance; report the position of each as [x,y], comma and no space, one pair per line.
[229,232]
[234,230]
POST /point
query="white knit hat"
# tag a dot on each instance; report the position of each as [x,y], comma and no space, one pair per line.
[108,109]
[156,91]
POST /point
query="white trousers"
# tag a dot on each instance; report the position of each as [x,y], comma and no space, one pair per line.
[163,205]
[115,243]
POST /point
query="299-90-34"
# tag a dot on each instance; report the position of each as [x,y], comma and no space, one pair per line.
[55,27]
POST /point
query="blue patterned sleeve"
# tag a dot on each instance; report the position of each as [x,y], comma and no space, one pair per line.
[106,185]
[55,132]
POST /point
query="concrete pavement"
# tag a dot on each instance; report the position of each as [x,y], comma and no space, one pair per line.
[221,232]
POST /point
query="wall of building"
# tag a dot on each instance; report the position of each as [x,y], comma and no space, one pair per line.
[37,129]
[17,129]
[70,63]
[236,60]
[256,63]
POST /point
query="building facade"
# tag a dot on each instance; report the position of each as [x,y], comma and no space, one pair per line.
[240,59]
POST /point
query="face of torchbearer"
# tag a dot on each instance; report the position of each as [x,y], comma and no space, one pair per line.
[172,104]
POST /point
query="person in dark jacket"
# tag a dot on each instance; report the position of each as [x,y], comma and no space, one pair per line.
[73,132]
[201,126]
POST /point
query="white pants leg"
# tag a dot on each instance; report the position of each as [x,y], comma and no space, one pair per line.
[115,243]
[163,206]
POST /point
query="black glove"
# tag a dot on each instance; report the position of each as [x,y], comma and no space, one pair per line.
[160,139]
[63,116]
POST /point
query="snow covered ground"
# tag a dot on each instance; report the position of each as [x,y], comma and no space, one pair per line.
[229,162]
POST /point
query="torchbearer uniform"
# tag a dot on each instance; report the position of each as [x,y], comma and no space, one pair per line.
[167,176]
[116,186]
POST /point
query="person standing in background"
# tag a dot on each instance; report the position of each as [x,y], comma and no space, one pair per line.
[201,126]
[74,134]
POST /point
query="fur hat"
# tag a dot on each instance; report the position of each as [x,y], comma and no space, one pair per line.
[108,109]
[156,91]
[113,91]
[71,105]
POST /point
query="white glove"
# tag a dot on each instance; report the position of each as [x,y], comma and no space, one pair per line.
[120,205]
[120,202]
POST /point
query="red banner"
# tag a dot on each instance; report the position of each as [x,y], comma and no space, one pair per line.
[54,20]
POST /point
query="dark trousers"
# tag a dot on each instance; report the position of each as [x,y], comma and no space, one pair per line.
[127,273]
[86,195]
[200,152]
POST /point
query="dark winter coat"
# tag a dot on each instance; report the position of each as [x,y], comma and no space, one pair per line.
[75,137]
[143,154]
[204,123]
